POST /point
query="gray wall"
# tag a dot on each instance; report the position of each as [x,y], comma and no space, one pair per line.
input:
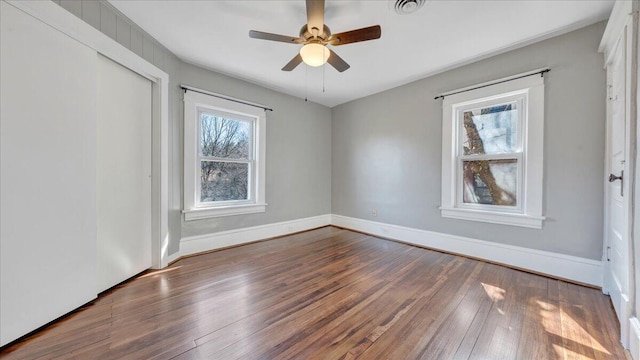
[387,149]
[384,150]
[298,133]
[298,154]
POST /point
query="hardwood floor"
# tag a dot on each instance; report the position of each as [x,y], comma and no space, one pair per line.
[333,294]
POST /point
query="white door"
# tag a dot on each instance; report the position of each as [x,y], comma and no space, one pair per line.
[47,173]
[616,277]
[123,173]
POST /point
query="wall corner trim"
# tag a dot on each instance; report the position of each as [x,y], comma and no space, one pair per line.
[582,270]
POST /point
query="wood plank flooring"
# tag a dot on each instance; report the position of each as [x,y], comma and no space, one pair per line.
[333,294]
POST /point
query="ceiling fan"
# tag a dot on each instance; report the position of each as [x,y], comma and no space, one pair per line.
[315,36]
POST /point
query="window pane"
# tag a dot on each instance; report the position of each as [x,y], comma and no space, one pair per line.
[491,130]
[222,181]
[224,138]
[492,182]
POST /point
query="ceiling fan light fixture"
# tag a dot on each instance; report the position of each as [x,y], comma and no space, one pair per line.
[314,54]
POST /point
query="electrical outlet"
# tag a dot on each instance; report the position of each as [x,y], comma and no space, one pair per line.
[374,212]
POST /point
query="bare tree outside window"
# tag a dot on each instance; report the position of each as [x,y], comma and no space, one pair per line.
[492,152]
[490,131]
[225,148]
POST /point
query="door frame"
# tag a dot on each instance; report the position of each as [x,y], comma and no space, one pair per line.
[58,18]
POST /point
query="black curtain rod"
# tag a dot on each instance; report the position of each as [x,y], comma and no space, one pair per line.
[226,98]
[541,72]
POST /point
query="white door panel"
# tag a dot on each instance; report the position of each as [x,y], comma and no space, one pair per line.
[123,173]
[617,220]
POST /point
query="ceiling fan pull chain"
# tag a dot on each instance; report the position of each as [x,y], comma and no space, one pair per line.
[323,67]
[306,82]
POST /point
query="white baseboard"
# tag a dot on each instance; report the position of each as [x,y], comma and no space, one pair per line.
[173,257]
[634,338]
[568,267]
[196,244]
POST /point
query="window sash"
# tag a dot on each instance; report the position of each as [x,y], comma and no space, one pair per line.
[518,208]
[251,199]
[234,117]
[520,101]
[250,192]
[250,160]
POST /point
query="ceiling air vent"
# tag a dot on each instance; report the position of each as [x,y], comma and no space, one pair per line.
[404,7]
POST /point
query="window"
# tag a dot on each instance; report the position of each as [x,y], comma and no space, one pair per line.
[492,153]
[224,157]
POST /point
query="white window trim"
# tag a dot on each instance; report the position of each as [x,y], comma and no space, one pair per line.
[529,211]
[193,210]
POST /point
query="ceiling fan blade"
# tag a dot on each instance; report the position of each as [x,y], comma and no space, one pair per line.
[348,37]
[293,63]
[337,62]
[315,16]
[274,37]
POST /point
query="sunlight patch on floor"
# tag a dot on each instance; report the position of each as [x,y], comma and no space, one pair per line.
[550,313]
[559,351]
[495,293]
[564,353]
[159,272]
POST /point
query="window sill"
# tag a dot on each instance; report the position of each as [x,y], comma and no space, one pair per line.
[205,213]
[534,222]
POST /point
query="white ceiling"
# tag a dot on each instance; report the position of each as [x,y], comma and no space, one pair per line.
[439,36]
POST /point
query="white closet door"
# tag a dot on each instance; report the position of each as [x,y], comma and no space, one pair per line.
[47,175]
[124,173]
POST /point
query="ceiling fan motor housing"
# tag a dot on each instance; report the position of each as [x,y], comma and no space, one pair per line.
[306,34]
